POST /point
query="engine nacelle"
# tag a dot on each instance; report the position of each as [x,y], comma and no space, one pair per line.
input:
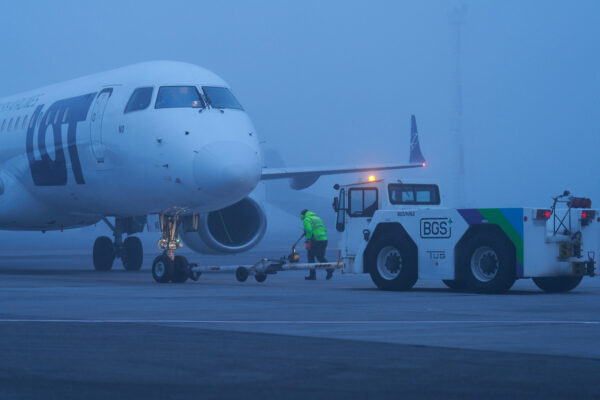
[233,229]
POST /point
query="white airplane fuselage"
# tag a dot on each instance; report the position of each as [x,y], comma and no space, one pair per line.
[70,154]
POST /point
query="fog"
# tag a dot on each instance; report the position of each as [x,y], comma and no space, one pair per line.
[335,83]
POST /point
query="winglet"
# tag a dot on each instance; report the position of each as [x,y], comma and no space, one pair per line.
[415,148]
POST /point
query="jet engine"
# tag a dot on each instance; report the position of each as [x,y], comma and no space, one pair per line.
[233,229]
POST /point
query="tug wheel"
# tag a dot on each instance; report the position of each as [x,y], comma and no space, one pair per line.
[557,284]
[162,269]
[180,274]
[392,263]
[103,254]
[260,277]
[488,264]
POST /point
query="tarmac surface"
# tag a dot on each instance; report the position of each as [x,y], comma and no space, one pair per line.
[69,332]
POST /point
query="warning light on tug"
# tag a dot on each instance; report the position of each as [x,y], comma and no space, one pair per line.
[372,178]
[424,164]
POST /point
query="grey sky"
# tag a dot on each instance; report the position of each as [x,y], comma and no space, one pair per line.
[335,82]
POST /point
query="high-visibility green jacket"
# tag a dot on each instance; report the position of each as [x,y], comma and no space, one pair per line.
[313,227]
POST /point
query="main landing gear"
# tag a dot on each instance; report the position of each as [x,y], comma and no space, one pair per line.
[130,250]
[168,267]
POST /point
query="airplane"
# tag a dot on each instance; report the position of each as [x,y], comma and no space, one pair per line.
[158,138]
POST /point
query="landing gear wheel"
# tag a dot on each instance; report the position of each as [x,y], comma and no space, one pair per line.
[162,269]
[180,274]
[455,285]
[133,255]
[488,264]
[260,277]
[104,254]
[241,274]
[558,284]
[392,263]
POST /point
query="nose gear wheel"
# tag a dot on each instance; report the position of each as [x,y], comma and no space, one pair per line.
[168,267]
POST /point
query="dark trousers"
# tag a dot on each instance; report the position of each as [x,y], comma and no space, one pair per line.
[317,249]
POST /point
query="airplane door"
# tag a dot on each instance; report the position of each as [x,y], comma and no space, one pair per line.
[96,123]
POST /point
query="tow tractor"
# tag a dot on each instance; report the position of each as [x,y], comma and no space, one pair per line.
[398,233]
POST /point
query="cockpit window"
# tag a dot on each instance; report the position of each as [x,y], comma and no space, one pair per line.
[140,99]
[220,97]
[178,97]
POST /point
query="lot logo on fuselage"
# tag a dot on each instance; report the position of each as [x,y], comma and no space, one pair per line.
[436,228]
[46,171]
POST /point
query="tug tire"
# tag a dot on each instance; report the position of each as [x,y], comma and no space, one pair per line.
[392,263]
[455,284]
[488,264]
[557,284]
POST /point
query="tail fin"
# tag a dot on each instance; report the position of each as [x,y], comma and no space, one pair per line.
[415,148]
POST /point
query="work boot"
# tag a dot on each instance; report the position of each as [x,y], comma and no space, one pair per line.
[329,274]
[312,276]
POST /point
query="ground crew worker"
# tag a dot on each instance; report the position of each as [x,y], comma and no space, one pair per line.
[316,241]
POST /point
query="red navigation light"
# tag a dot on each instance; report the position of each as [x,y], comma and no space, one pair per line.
[424,164]
[583,215]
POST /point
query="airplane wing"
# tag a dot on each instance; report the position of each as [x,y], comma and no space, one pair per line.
[301,178]
[279,173]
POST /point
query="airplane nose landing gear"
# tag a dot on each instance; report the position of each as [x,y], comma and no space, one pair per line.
[169,242]
[167,266]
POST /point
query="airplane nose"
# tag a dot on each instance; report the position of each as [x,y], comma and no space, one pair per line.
[227,170]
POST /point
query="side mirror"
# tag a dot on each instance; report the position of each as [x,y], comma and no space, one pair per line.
[340,223]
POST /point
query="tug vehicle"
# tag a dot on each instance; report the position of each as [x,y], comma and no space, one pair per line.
[398,233]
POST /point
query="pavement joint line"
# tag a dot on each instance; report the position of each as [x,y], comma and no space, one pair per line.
[299,322]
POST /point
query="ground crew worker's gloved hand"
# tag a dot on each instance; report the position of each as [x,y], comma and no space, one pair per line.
[308,246]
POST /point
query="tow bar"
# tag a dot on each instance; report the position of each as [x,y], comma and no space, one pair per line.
[264,267]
